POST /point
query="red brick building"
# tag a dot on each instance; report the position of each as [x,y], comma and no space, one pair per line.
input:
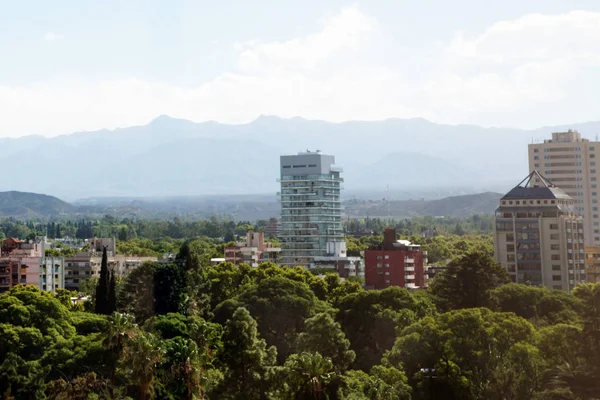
[395,263]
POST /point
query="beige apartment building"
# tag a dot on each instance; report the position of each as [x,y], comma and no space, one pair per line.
[87,265]
[569,162]
[538,235]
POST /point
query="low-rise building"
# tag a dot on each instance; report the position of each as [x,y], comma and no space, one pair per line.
[22,262]
[395,263]
[252,251]
[87,265]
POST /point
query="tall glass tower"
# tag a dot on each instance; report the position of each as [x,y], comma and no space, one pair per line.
[311,210]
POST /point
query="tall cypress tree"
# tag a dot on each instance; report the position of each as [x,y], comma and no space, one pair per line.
[102,288]
[112,293]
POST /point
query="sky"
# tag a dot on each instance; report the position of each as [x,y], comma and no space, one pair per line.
[68,66]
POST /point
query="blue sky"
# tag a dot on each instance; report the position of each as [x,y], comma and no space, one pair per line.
[83,65]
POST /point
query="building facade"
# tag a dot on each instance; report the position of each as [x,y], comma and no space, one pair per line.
[395,263]
[570,162]
[23,262]
[87,265]
[311,209]
[539,236]
[252,251]
[592,264]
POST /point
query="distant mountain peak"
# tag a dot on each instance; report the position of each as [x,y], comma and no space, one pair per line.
[164,119]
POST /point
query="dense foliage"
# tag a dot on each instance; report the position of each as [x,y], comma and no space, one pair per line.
[189,330]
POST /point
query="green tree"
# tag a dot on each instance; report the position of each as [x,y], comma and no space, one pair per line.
[136,296]
[170,288]
[325,336]
[280,306]
[307,376]
[247,359]
[370,320]
[112,293]
[476,354]
[102,289]
[466,282]
[142,354]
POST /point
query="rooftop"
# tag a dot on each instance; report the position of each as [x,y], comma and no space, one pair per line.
[530,189]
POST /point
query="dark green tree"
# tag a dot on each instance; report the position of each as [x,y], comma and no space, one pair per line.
[170,289]
[325,336]
[466,282]
[102,289]
[248,360]
[112,293]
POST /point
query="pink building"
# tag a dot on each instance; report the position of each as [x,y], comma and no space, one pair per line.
[253,251]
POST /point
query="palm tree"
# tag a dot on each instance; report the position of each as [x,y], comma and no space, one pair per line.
[141,354]
[308,375]
[120,328]
[185,366]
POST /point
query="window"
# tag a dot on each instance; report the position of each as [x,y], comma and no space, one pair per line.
[287,166]
[510,258]
[593,163]
[537,165]
[379,265]
[592,148]
[593,171]
[536,158]
[593,179]
[554,236]
[594,186]
[510,247]
[312,165]
[510,237]
[386,265]
[535,150]
[387,272]
[387,257]
[556,278]
[554,247]
[379,257]
[555,267]
[556,287]
[555,257]
[594,194]
[553,226]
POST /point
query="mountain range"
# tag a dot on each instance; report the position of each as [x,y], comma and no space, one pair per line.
[33,205]
[175,157]
[238,207]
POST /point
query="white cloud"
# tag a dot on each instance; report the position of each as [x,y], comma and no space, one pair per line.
[521,72]
[343,31]
[533,59]
[52,36]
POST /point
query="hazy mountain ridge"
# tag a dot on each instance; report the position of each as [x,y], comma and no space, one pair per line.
[172,156]
[453,206]
[32,205]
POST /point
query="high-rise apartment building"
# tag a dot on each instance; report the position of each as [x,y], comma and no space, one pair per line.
[311,209]
[539,236]
[569,162]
